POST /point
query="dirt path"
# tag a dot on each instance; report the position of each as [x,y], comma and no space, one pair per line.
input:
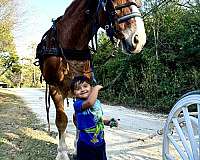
[134,139]
[22,136]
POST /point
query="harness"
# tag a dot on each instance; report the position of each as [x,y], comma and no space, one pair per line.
[70,54]
[110,27]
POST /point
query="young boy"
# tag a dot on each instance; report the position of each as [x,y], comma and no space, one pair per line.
[89,120]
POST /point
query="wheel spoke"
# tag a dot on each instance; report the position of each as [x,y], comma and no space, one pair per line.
[177,147]
[190,133]
[182,137]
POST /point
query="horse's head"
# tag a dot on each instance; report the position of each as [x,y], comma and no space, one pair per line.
[122,20]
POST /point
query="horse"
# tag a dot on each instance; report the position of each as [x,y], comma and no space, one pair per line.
[64,50]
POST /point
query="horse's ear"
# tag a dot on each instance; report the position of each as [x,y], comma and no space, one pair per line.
[102,18]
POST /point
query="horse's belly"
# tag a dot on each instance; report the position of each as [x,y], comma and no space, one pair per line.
[53,69]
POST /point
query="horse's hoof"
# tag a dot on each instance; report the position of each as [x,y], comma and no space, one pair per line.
[62,156]
[62,153]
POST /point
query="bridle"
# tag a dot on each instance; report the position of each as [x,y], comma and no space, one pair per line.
[112,21]
[112,18]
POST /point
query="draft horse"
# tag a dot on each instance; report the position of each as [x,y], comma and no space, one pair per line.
[64,53]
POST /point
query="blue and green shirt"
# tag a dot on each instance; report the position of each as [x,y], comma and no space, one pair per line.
[90,123]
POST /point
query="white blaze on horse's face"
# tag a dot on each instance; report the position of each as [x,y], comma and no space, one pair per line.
[139,34]
[134,36]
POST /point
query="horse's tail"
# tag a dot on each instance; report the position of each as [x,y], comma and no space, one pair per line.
[47,102]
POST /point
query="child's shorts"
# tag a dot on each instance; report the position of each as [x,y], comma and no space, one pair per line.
[88,152]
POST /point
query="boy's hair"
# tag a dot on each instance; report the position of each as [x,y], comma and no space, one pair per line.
[79,80]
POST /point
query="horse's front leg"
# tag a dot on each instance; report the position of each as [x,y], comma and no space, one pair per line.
[61,122]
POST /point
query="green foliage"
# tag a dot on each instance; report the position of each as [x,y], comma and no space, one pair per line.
[9,61]
[167,68]
[30,74]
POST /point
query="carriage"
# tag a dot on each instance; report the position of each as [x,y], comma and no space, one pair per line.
[181,139]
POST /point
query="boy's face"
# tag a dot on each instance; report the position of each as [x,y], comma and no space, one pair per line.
[82,90]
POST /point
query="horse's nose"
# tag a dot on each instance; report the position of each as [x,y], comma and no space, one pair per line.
[132,42]
[135,39]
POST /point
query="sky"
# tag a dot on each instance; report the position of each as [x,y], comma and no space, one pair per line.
[34,19]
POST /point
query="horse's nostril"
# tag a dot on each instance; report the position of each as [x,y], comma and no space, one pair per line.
[136,40]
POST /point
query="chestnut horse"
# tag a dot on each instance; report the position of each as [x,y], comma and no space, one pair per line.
[64,53]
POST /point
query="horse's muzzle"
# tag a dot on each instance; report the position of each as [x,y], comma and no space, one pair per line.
[132,44]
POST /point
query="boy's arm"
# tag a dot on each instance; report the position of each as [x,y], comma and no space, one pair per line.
[92,97]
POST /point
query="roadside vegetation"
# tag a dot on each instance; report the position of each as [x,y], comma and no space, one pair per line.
[9,60]
[168,66]
[22,136]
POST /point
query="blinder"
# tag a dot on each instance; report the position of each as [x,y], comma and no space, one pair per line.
[113,19]
[120,7]
[128,4]
[128,16]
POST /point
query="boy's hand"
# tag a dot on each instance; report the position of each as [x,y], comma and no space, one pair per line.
[113,122]
[98,87]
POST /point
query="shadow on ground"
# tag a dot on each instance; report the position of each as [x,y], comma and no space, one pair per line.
[22,137]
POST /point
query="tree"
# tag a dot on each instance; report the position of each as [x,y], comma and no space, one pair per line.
[9,61]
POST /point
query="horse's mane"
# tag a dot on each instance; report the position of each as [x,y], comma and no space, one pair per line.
[73,7]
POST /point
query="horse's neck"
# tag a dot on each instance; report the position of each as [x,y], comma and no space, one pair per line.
[75,29]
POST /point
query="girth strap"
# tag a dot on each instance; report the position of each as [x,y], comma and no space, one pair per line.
[72,54]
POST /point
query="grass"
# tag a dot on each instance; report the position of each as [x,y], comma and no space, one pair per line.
[22,136]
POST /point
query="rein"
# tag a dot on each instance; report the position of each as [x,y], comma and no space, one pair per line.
[111,83]
[47,103]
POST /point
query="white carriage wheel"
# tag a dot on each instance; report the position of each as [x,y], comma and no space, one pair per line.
[182,129]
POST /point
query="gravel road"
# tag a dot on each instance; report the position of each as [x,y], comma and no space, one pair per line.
[136,137]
